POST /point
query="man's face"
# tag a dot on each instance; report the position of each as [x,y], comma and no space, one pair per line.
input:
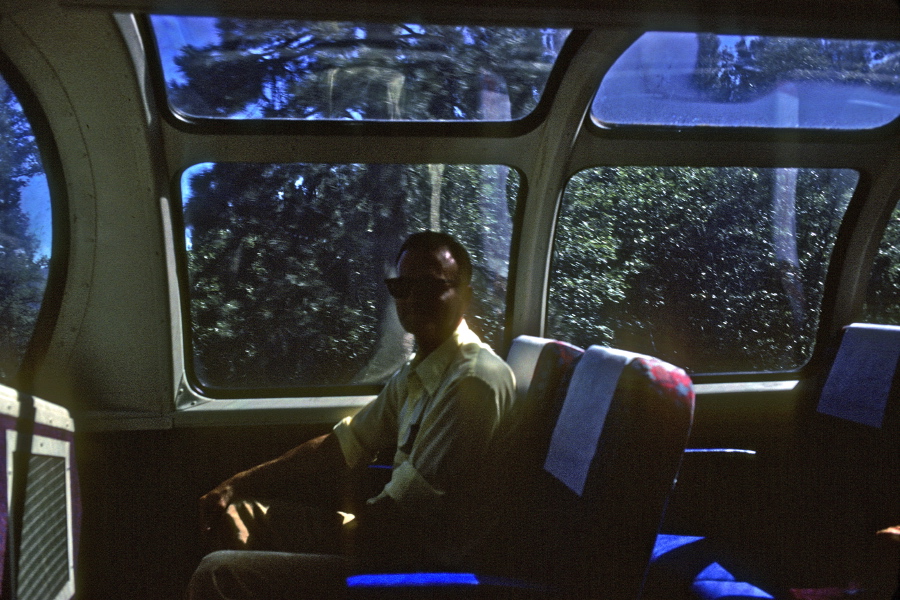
[433,303]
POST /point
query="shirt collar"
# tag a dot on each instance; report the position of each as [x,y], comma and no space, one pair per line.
[430,370]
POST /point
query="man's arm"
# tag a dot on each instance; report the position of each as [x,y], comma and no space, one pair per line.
[318,455]
[409,525]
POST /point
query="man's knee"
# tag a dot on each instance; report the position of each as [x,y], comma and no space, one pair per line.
[246,575]
[225,574]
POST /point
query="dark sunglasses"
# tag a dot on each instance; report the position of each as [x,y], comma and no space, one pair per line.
[402,287]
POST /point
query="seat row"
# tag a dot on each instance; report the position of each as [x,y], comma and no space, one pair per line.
[591,452]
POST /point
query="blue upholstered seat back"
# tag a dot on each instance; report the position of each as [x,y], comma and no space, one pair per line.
[836,488]
[585,462]
[847,465]
[594,462]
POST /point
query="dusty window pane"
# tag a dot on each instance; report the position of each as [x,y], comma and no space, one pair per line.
[271,69]
[702,79]
[712,269]
[286,264]
[883,294]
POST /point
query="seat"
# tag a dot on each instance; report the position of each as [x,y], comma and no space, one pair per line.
[839,487]
[847,474]
[611,458]
[590,459]
[542,368]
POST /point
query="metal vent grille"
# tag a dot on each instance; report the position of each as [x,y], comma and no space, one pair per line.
[44,555]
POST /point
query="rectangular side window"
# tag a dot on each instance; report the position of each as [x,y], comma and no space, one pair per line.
[714,269]
[286,264]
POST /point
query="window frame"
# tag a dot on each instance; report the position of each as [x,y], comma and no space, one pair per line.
[758,148]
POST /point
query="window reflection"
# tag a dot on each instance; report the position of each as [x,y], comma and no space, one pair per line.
[269,69]
[713,269]
[286,264]
[690,79]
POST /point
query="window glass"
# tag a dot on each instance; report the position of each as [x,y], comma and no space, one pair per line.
[218,68]
[882,303]
[286,264]
[713,269]
[25,232]
[697,79]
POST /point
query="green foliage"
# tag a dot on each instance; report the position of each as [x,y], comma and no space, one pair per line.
[680,263]
[23,271]
[753,66]
[296,69]
[287,261]
[883,294]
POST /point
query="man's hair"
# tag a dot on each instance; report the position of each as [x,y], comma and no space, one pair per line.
[430,241]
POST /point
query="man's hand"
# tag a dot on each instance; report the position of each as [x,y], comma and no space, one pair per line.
[224,514]
[230,523]
[890,533]
[247,525]
[228,520]
[214,504]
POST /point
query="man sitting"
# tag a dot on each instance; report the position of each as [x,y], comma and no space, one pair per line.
[440,411]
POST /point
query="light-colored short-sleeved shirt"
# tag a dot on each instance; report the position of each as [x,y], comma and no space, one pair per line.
[441,412]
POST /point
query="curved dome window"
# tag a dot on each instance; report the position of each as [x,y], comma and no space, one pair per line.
[218,68]
[708,80]
[25,233]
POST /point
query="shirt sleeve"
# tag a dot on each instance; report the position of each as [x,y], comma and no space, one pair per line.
[453,438]
[370,430]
